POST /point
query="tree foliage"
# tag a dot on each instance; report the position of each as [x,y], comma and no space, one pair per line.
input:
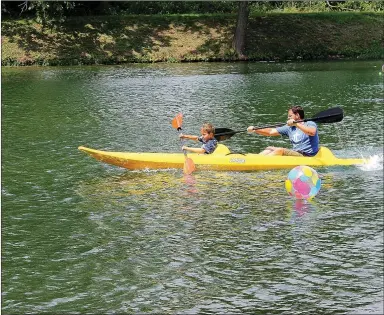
[53,13]
[58,10]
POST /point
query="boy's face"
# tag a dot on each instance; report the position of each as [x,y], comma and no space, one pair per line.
[206,136]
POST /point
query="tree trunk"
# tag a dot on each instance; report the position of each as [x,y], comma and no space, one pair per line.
[238,42]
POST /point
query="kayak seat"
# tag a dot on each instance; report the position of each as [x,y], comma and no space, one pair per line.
[325,153]
[221,149]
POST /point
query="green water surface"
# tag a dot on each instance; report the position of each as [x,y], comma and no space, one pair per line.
[80,236]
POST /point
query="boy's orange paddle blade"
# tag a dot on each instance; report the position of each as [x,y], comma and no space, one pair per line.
[189,166]
[177,122]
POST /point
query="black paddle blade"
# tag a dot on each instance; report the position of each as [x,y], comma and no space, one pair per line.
[329,116]
[225,133]
[223,130]
[223,136]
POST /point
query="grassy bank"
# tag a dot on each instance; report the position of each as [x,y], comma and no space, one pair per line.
[181,38]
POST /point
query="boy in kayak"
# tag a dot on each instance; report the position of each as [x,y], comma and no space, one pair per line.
[207,138]
[303,135]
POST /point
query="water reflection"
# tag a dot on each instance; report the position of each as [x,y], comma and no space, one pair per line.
[300,207]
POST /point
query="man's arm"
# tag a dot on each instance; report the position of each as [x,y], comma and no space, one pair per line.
[309,130]
[265,131]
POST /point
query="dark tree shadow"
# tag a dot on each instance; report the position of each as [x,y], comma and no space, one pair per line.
[113,39]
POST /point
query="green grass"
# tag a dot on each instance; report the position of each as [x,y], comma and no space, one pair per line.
[189,38]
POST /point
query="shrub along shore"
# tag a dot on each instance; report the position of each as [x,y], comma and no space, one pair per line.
[188,38]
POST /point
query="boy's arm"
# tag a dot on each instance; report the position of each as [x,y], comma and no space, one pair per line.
[189,137]
[196,150]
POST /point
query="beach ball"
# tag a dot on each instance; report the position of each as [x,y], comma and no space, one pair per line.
[303,182]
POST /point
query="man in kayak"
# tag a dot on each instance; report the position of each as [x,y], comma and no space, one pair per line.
[207,138]
[303,135]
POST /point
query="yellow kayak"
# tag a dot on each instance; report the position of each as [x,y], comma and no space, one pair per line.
[221,160]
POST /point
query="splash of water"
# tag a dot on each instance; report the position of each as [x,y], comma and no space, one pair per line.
[373,163]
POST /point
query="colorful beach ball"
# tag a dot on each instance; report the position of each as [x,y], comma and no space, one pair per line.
[303,182]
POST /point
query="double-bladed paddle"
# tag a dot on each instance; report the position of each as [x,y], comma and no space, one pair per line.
[328,116]
[189,166]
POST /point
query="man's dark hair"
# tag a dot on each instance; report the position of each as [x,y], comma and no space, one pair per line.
[298,110]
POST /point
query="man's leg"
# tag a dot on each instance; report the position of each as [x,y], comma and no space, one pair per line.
[272,151]
[267,151]
[288,152]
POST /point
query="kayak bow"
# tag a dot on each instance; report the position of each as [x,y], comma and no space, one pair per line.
[221,160]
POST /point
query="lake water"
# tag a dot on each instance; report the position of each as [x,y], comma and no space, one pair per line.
[80,236]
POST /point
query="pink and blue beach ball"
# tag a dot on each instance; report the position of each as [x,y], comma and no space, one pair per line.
[303,182]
